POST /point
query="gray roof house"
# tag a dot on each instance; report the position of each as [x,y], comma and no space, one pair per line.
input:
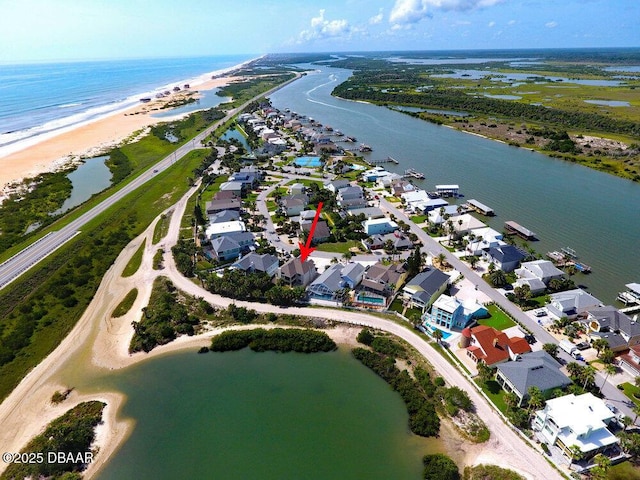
[422,290]
[534,369]
[253,262]
[571,303]
[504,257]
[215,206]
[320,234]
[617,328]
[399,241]
[537,274]
[296,273]
[336,185]
[378,285]
[353,203]
[232,245]
[327,285]
[292,205]
[350,193]
[352,274]
[224,216]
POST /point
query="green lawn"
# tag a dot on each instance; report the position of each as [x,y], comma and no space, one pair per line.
[495,393]
[134,262]
[162,228]
[305,181]
[624,471]
[418,218]
[498,319]
[629,390]
[272,206]
[338,247]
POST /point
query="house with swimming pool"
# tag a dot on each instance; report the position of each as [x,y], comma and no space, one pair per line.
[452,313]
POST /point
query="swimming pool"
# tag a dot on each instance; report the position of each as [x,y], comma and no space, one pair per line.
[445,334]
[308,162]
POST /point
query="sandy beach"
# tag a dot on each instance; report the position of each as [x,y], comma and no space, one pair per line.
[58,149]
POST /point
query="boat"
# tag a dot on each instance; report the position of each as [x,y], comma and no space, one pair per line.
[364,148]
[566,257]
[410,172]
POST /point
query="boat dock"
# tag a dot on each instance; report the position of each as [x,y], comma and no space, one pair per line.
[515,228]
[631,296]
[480,208]
[385,160]
[410,172]
[567,256]
[448,190]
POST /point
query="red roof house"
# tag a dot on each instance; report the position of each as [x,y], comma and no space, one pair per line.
[492,346]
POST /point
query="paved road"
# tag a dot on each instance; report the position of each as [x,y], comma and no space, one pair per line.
[32,255]
[612,394]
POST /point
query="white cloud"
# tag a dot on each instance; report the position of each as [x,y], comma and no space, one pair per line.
[492,24]
[322,28]
[406,12]
[511,22]
[551,24]
[376,18]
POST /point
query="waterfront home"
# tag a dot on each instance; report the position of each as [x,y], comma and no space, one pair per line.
[534,369]
[253,262]
[379,226]
[387,180]
[452,313]
[580,420]
[426,206]
[571,303]
[413,196]
[491,346]
[229,247]
[297,273]
[504,257]
[464,223]
[320,234]
[292,205]
[218,205]
[423,289]
[402,186]
[220,229]
[617,328]
[374,174]
[482,240]
[441,214]
[537,275]
[630,362]
[335,185]
[224,216]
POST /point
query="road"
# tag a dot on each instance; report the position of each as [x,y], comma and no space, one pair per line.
[33,254]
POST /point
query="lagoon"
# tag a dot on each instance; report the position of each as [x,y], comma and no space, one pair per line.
[242,415]
[89,178]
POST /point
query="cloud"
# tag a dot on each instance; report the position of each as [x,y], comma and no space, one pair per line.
[551,24]
[376,18]
[492,24]
[322,28]
[511,22]
[406,12]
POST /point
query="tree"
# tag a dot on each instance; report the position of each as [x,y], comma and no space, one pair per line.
[498,278]
[365,336]
[576,453]
[536,398]
[551,349]
[437,334]
[609,370]
[485,372]
[630,443]
[439,467]
[599,472]
[607,356]
[574,369]
[473,261]
[414,263]
[599,344]
[522,294]
[511,400]
[587,376]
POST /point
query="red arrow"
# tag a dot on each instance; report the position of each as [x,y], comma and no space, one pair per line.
[305,250]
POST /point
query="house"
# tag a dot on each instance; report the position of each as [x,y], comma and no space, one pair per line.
[320,234]
[482,239]
[328,284]
[504,257]
[224,216]
[534,369]
[218,205]
[402,186]
[393,241]
[386,181]
[381,278]
[350,193]
[422,290]
[368,212]
[352,274]
[379,226]
[571,303]
[292,205]
[537,274]
[297,189]
[353,203]
[296,273]
[617,328]
[426,206]
[580,420]
[219,229]
[237,188]
[452,313]
[252,262]
[438,216]
[336,185]
[228,247]
[413,196]
[630,362]
[492,346]
[374,173]
[462,224]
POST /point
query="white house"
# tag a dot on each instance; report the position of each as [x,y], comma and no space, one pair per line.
[537,275]
[576,420]
[220,229]
[379,226]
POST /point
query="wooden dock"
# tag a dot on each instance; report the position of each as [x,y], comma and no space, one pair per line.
[514,228]
[380,162]
[480,208]
[410,172]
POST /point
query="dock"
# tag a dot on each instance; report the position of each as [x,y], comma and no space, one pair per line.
[566,257]
[480,208]
[385,160]
[631,296]
[515,228]
[448,190]
[410,172]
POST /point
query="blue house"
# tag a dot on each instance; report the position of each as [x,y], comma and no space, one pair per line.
[451,313]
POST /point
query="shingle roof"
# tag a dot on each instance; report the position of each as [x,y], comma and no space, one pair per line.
[537,369]
[429,281]
[224,216]
[614,319]
[506,253]
[254,261]
[295,266]
[495,345]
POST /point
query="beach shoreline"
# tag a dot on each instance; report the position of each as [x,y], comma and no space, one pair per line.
[64,147]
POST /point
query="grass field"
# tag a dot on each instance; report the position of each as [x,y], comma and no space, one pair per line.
[338,247]
[134,263]
[629,390]
[498,319]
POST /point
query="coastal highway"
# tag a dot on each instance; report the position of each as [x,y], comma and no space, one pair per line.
[34,253]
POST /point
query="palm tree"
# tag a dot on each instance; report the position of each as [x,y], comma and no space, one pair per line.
[599,344]
[587,375]
[498,278]
[574,369]
[609,370]
[536,398]
[576,453]
[511,400]
[473,261]
[437,334]
[441,259]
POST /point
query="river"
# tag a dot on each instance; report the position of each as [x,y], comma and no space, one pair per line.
[567,205]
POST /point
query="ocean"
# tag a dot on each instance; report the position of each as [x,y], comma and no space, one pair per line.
[43,98]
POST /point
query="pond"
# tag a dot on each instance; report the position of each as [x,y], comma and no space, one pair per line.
[208,99]
[89,178]
[609,103]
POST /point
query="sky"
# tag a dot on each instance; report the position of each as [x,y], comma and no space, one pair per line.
[53,30]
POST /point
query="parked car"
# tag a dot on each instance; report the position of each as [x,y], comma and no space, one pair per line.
[540,313]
